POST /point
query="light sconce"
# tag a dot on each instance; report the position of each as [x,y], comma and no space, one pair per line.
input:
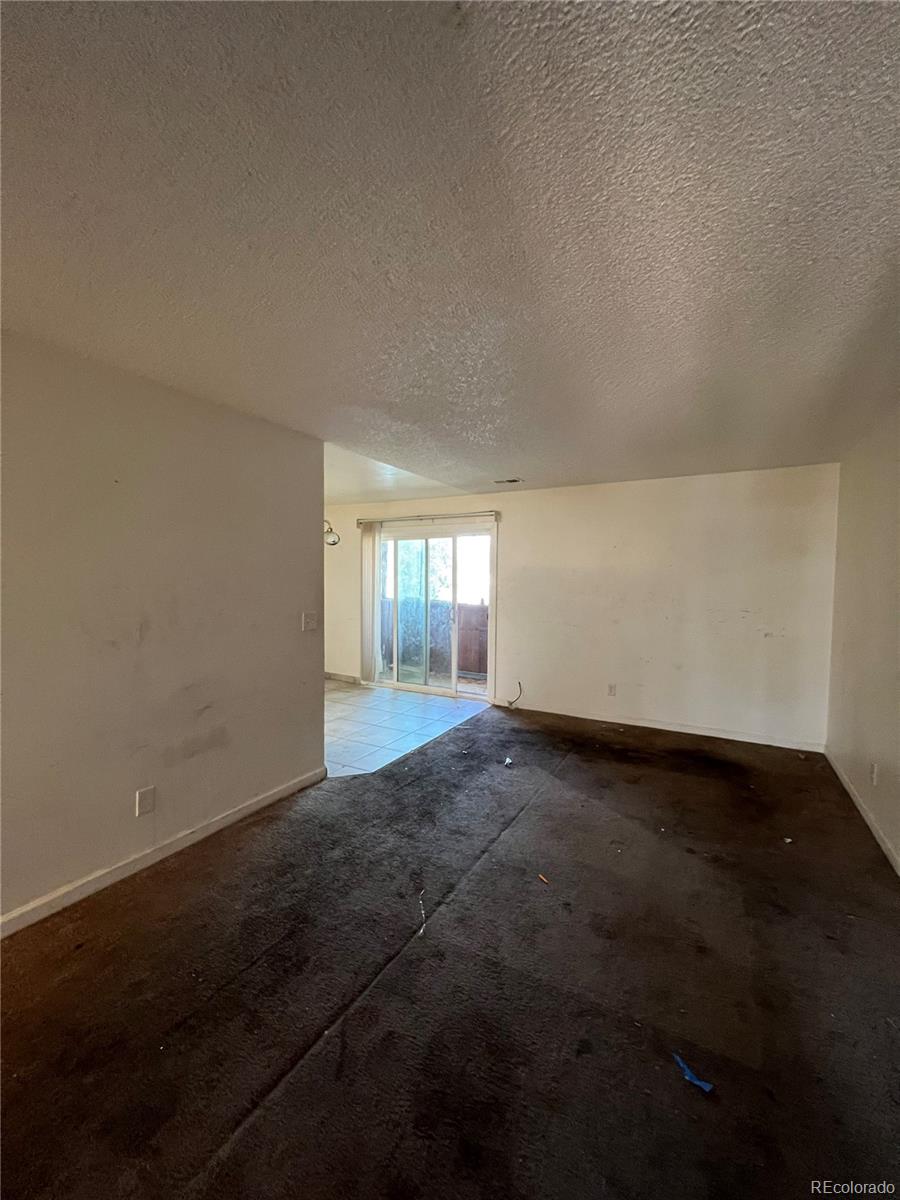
[331,538]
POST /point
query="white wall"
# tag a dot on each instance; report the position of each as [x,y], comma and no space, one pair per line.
[706,600]
[158,551]
[864,716]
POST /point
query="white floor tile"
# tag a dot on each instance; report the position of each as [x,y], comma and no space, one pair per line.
[373,736]
[345,752]
[409,710]
[370,706]
[350,700]
[438,711]
[435,728]
[378,759]
[368,727]
[403,723]
[344,728]
[409,741]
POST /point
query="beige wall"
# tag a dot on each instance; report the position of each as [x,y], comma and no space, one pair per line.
[158,552]
[864,716]
[706,600]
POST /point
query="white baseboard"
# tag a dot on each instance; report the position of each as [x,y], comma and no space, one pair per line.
[892,855]
[342,678]
[43,906]
[734,735]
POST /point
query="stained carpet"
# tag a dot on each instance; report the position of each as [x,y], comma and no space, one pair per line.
[261,1016]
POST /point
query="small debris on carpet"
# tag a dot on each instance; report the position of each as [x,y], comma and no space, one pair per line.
[543,879]
[690,1076]
[507,762]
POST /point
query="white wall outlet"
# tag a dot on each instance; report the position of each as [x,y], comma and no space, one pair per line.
[873,774]
[309,622]
[144,801]
[610,689]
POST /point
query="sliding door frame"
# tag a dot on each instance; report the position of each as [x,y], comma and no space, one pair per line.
[449,528]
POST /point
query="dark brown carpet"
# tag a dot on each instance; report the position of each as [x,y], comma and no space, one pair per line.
[257,1016]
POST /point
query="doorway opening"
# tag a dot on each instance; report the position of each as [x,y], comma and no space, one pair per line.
[433,610]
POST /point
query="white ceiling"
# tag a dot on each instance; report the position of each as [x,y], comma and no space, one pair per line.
[354,479]
[565,242]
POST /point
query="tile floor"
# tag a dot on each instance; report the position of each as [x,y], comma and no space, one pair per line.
[368,727]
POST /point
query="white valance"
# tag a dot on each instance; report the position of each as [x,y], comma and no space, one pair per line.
[433,525]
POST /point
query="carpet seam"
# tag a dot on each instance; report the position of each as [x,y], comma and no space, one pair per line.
[285,1075]
[272,946]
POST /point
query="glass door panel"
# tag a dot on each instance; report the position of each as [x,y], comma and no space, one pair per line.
[473,589]
[440,612]
[384,614]
[411,610]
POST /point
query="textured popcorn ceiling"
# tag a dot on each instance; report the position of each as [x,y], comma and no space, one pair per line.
[566,242]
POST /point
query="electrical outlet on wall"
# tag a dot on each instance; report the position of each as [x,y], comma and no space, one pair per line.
[873,774]
[610,689]
[144,801]
[309,622]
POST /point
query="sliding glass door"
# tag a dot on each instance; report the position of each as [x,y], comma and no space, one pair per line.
[385,613]
[425,585]
[412,610]
[440,642]
[473,590]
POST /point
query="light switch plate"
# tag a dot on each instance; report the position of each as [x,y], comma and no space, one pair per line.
[144,801]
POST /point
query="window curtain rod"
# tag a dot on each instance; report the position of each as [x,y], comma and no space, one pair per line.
[449,517]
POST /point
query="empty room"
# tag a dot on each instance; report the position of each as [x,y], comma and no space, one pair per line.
[451,578]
